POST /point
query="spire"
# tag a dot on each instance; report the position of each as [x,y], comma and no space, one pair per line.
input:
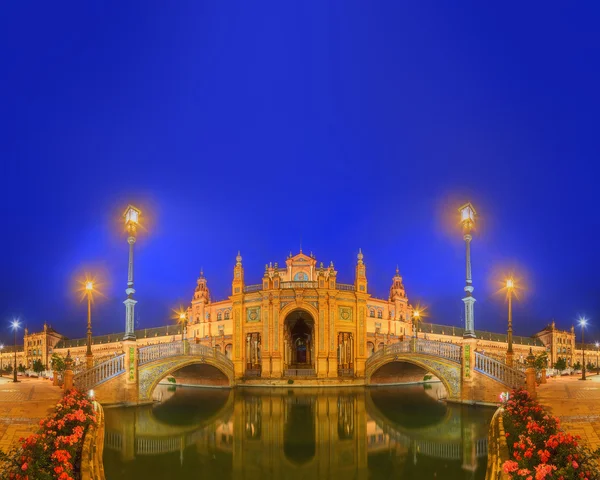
[360,256]
[397,271]
[238,259]
[201,272]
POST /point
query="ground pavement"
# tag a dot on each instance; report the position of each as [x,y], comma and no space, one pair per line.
[576,403]
[22,406]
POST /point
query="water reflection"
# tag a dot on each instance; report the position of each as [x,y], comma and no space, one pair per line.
[401,432]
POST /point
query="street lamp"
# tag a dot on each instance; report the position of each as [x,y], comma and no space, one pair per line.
[597,350]
[1,348]
[183,320]
[510,286]
[132,218]
[15,326]
[467,220]
[583,323]
[416,319]
[89,288]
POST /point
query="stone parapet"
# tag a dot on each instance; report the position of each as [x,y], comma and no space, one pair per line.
[92,467]
[497,448]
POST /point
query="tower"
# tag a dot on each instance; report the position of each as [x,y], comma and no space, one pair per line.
[237,285]
[199,301]
[398,297]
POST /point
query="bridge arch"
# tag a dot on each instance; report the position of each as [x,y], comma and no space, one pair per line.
[152,373]
[448,372]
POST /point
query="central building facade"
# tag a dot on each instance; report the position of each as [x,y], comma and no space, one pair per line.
[299,321]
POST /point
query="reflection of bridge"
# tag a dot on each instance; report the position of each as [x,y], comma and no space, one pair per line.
[239,423]
[467,375]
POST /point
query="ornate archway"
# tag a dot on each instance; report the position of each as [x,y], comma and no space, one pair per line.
[299,341]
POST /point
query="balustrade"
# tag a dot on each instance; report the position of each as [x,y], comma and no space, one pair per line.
[345,286]
[100,373]
[299,284]
[498,371]
[253,288]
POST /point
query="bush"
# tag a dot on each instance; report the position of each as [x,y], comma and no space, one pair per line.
[427,377]
[290,381]
[539,448]
[54,452]
[171,380]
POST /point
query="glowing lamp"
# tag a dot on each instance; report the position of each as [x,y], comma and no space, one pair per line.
[583,321]
[510,283]
[597,345]
[91,394]
[132,215]
[182,316]
[416,314]
[15,324]
[467,214]
[89,286]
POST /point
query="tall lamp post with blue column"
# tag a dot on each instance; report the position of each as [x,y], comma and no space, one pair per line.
[132,220]
[467,220]
[15,326]
[583,323]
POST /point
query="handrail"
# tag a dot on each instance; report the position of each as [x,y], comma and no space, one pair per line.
[100,373]
[158,351]
[498,371]
[449,351]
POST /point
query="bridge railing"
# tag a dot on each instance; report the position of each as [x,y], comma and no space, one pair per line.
[150,353]
[498,371]
[100,373]
[448,351]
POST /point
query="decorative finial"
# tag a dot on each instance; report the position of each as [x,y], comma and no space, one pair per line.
[321,265]
[360,256]
[266,267]
[238,259]
[201,272]
[276,266]
[331,264]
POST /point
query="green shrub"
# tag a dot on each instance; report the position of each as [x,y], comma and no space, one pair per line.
[290,381]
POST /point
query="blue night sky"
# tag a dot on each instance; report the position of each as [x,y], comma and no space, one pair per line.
[259,125]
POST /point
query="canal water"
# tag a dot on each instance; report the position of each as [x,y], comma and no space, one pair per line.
[297,433]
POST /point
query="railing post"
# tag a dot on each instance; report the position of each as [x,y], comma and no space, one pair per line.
[530,374]
[68,377]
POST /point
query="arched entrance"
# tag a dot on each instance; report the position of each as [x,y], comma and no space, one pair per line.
[299,342]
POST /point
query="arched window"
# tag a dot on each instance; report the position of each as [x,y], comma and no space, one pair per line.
[227,315]
[372,312]
[301,277]
[379,314]
[219,316]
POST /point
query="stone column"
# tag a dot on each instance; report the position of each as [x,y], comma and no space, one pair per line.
[469,345]
[544,375]
[68,377]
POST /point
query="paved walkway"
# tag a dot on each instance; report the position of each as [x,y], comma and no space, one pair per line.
[576,403]
[22,406]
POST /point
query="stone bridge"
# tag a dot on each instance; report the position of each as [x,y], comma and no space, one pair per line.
[132,376]
[467,375]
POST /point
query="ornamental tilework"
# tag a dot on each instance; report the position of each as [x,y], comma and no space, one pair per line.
[321,331]
[253,314]
[238,333]
[150,374]
[331,329]
[275,330]
[266,331]
[450,373]
[345,314]
[361,325]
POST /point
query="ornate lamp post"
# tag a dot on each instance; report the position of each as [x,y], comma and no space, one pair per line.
[510,286]
[583,323]
[467,220]
[132,218]
[416,319]
[89,358]
[15,326]
[183,320]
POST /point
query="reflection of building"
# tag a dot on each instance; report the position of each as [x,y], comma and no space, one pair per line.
[300,322]
[300,433]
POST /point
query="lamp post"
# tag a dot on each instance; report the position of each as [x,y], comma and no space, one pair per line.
[183,320]
[1,348]
[583,323]
[467,220]
[15,326]
[597,351]
[510,285]
[89,358]
[416,319]
[132,218]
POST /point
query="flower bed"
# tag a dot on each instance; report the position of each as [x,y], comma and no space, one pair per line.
[54,452]
[538,448]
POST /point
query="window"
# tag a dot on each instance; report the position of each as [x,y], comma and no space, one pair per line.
[379,314]
[227,315]
[372,312]
[218,316]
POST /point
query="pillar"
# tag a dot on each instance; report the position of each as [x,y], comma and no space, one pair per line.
[68,377]
[530,375]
